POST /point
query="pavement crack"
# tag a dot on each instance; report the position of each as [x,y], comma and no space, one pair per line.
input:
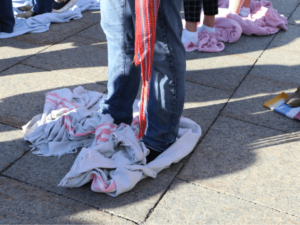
[11,164]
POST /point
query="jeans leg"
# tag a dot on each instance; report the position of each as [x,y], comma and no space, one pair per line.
[167,87]
[42,6]
[123,77]
[7,19]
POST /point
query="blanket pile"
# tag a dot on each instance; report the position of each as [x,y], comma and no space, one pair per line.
[41,23]
[263,20]
[111,156]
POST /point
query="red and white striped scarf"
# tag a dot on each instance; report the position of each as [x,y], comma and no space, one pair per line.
[145,34]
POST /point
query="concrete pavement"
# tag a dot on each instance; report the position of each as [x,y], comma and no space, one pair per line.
[244,170]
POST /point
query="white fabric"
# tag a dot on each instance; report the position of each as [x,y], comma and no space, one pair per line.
[112,156]
[188,36]
[41,23]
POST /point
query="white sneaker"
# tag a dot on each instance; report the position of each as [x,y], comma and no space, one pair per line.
[206,28]
[188,36]
[244,12]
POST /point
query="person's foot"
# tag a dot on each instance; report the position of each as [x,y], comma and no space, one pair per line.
[60,6]
[206,28]
[294,99]
[152,155]
[25,8]
[26,15]
[244,12]
[188,36]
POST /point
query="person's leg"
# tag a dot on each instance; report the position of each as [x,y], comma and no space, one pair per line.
[235,6]
[124,77]
[245,9]
[192,10]
[167,87]
[42,6]
[210,8]
[7,19]
[247,3]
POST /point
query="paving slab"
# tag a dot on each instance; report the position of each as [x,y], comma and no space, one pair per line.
[13,52]
[24,204]
[219,70]
[287,6]
[248,46]
[187,203]
[12,145]
[94,32]
[92,16]
[47,172]
[74,59]
[289,40]
[280,64]
[56,33]
[247,103]
[251,162]
[202,104]
[295,17]
[23,95]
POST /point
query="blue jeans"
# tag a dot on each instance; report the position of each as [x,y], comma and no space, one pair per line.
[42,6]
[167,86]
[7,19]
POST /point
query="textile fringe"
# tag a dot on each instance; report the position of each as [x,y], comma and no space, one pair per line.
[145,34]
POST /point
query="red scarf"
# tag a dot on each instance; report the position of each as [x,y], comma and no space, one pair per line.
[145,33]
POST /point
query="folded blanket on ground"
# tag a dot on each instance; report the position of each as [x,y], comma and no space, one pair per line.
[41,23]
[111,157]
[278,105]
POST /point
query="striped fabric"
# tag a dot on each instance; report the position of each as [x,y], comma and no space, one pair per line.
[278,105]
[146,17]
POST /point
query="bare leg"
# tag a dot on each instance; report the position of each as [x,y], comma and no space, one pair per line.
[247,3]
[191,26]
[235,5]
[209,21]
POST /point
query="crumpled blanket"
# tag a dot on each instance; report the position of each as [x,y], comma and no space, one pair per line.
[111,157]
[263,20]
[41,23]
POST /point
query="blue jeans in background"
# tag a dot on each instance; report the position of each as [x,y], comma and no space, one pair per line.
[7,19]
[167,87]
[42,6]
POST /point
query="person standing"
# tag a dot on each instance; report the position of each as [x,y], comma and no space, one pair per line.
[7,19]
[167,85]
[192,12]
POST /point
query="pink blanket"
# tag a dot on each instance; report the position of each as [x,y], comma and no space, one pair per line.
[263,20]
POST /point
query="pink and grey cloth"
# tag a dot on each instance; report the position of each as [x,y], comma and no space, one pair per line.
[111,155]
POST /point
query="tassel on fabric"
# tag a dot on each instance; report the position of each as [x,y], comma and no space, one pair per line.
[145,34]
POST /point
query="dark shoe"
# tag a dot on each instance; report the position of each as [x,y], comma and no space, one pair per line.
[294,99]
[26,15]
[152,155]
[25,8]
[60,6]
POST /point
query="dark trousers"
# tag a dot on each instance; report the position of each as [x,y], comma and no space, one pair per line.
[7,19]
[42,6]
[192,9]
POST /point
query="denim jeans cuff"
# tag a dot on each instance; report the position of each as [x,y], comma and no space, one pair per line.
[153,147]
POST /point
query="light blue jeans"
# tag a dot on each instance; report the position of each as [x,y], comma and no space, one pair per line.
[167,86]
